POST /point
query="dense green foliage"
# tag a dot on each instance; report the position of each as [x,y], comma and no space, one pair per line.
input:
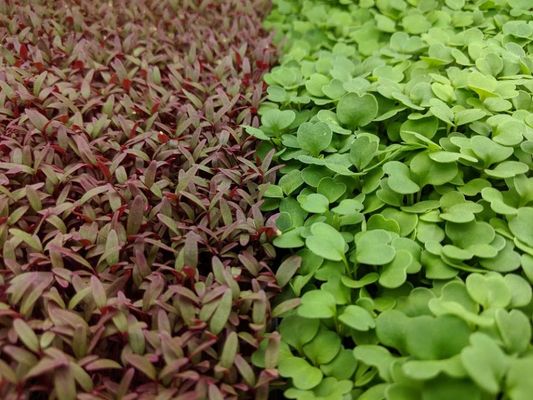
[406,133]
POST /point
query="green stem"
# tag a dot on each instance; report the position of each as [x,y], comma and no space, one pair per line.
[336,221]
[338,326]
[346,266]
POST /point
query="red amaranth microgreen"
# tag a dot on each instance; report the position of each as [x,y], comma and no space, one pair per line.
[134,256]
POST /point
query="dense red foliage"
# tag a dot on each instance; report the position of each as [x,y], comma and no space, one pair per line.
[134,254]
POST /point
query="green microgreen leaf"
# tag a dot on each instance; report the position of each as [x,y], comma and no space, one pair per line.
[355,111]
[317,304]
[303,375]
[357,318]
[325,241]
